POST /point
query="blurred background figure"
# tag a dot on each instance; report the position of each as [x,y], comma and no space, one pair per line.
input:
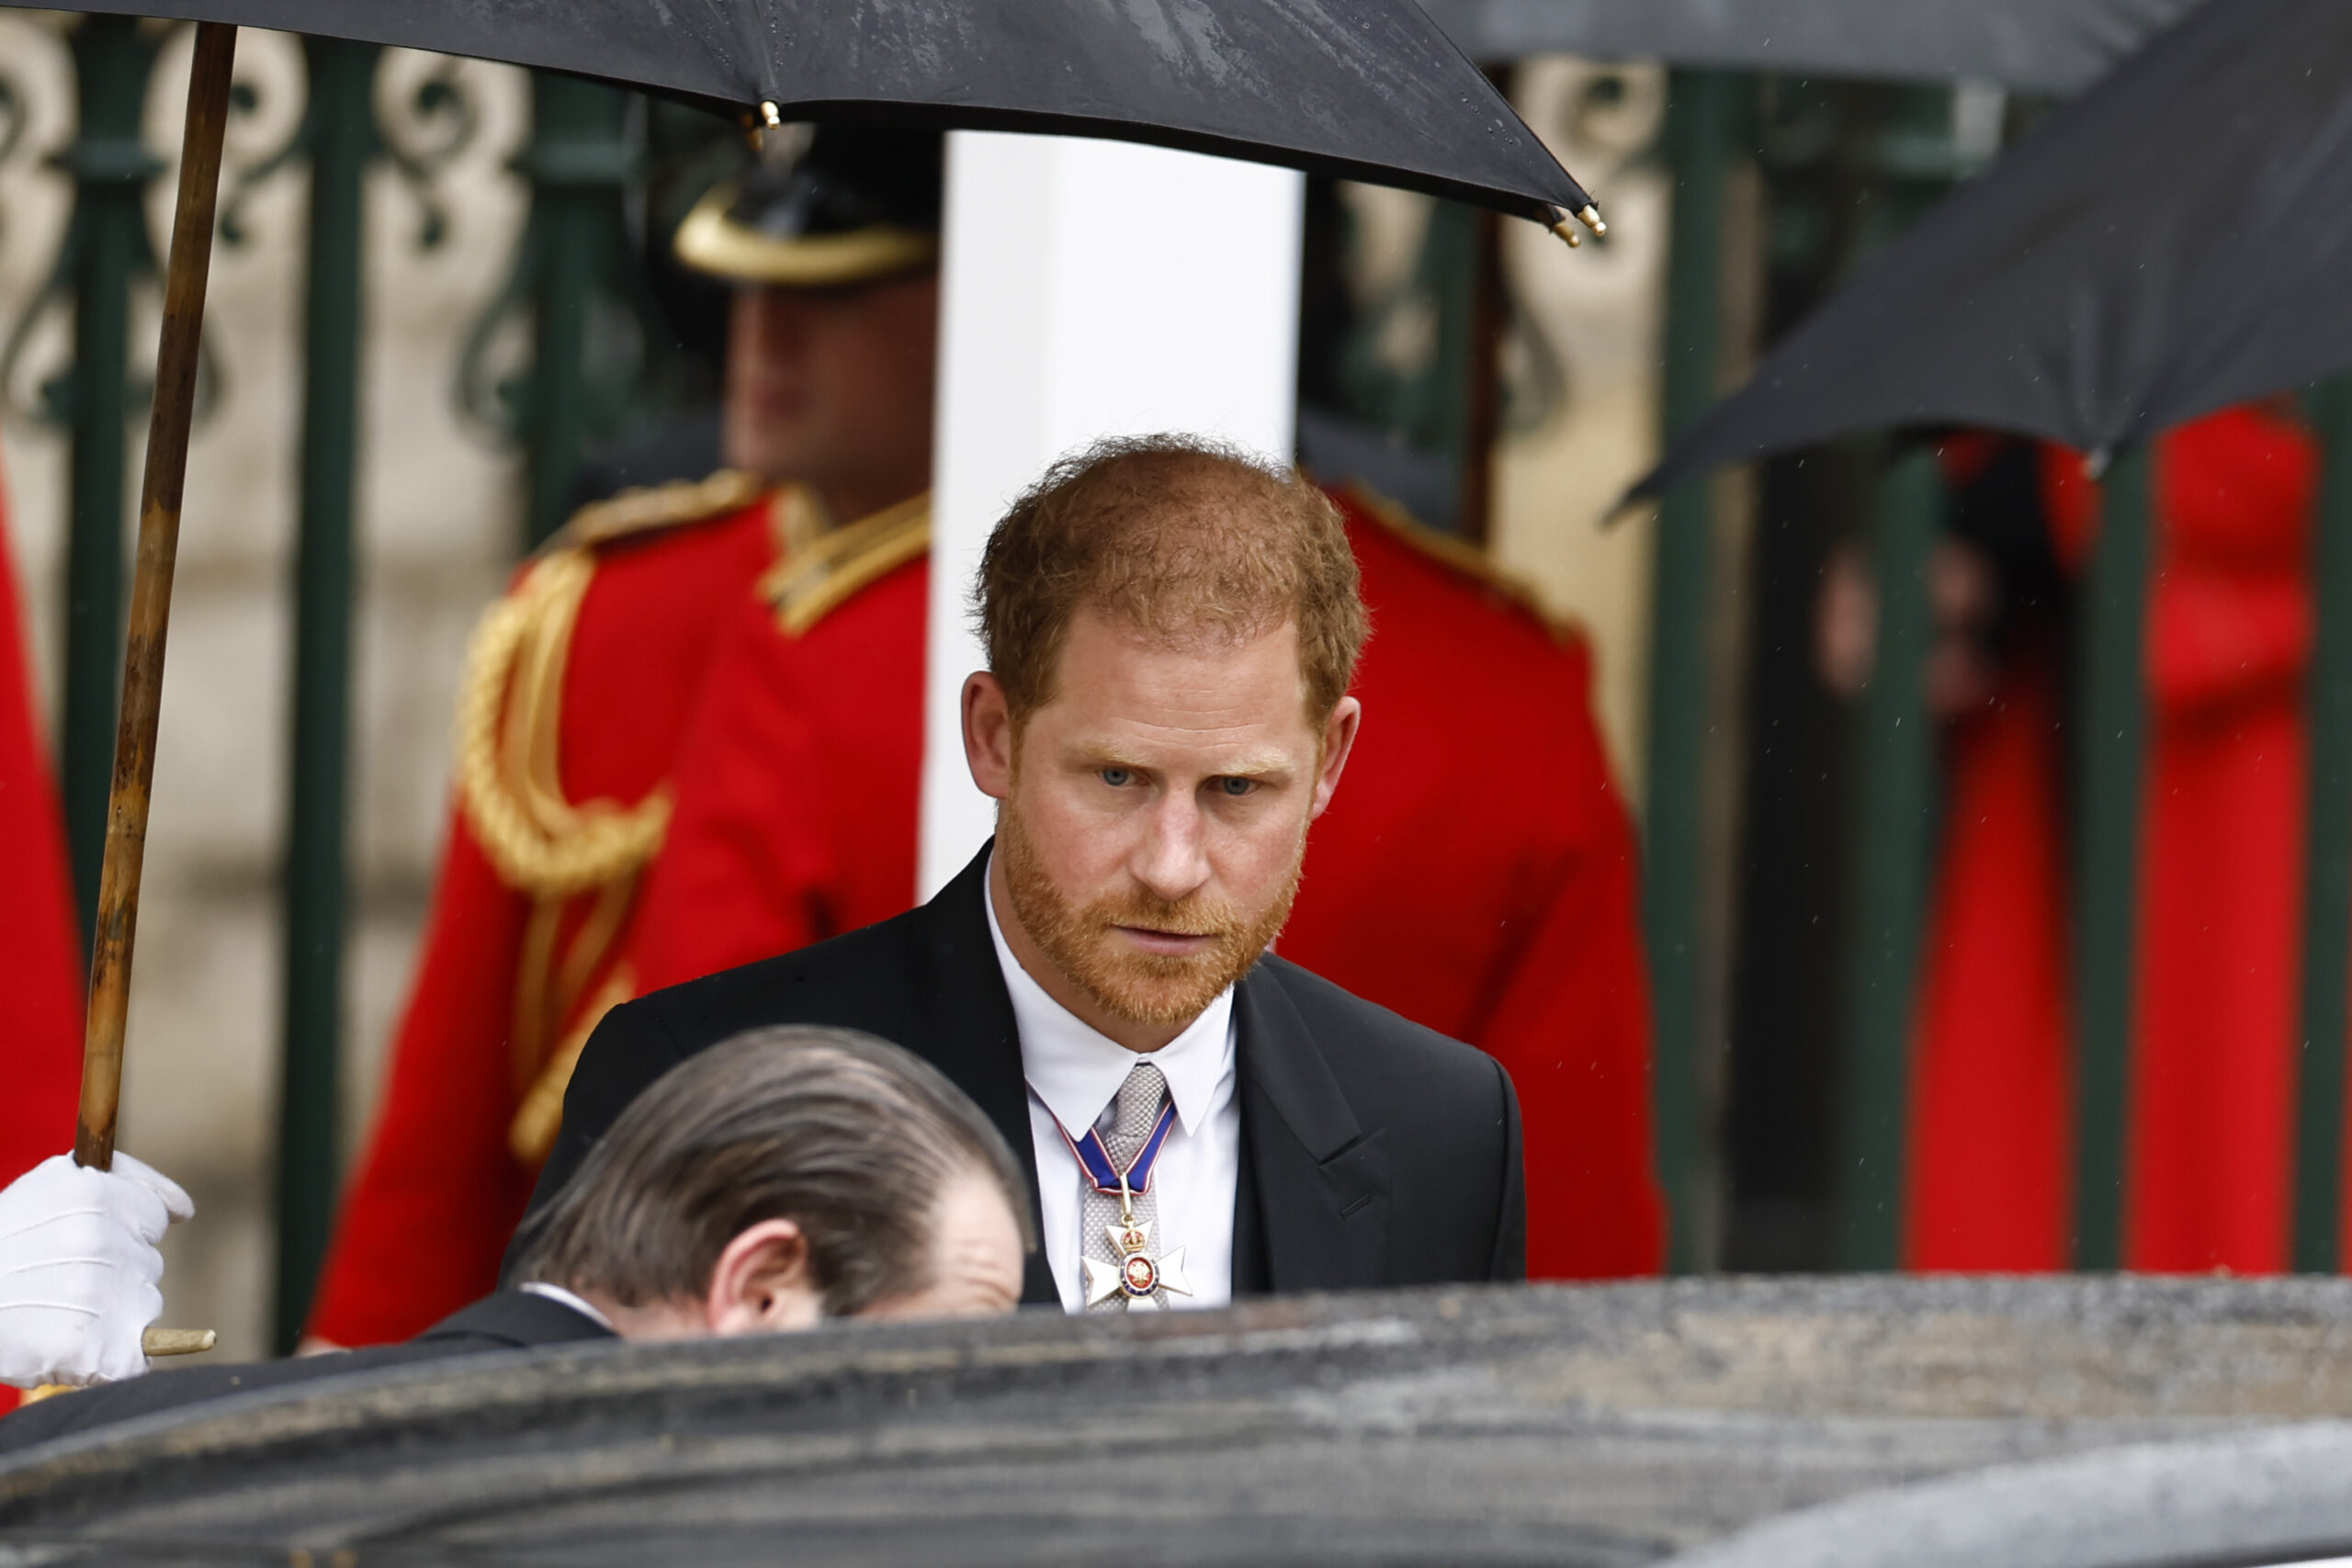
[2228,651]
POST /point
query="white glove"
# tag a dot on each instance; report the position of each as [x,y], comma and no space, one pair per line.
[79,1270]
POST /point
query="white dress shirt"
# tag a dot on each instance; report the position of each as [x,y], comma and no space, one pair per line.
[1074,1076]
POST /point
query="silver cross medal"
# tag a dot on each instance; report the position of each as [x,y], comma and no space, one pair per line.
[1137,1272]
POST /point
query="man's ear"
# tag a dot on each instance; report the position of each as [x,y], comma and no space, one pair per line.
[763,1283]
[988,734]
[1339,740]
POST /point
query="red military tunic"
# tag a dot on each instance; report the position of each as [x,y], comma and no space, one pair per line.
[40,961]
[578,689]
[1477,873]
[2210,1126]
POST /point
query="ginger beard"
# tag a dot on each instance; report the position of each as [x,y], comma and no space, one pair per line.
[1081,941]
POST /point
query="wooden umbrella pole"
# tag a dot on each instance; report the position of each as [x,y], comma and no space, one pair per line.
[151,592]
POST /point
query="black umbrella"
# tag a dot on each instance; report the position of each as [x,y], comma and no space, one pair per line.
[1358,89]
[2041,46]
[2177,239]
[1369,89]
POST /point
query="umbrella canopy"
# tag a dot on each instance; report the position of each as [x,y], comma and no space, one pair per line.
[2177,239]
[1359,89]
[2038,46]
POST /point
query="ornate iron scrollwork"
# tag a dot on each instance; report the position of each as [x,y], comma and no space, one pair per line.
[106,242]
[445,109]
[436,124]
[575,346]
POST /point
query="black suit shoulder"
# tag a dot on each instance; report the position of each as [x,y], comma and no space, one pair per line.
[507,1321]
[834,982]
[853,981]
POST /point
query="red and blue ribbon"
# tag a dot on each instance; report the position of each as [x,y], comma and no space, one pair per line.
[1102,1172]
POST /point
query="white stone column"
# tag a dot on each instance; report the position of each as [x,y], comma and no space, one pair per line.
[1090,288]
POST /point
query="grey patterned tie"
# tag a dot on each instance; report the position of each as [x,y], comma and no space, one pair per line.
[1140,1099]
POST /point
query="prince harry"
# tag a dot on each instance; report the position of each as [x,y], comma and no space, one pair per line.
[1171,629]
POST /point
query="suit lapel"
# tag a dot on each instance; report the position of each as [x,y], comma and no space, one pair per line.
[973,1037]
[1317,1180]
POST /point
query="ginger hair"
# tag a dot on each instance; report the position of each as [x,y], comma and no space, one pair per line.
[1181,538]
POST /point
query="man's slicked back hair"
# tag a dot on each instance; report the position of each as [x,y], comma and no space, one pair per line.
[848,1136]
[1181,538]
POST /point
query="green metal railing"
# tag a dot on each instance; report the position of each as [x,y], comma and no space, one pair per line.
[341,134]
[2110,759]
[1703,118]
[107,249]
[573,276]
[2327,857]
[1896,825]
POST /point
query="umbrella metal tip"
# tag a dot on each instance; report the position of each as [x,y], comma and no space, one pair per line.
[1590,216]
[1565,227]
[770,116]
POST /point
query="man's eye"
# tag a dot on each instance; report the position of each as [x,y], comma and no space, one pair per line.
[1237,786]
[1117,778]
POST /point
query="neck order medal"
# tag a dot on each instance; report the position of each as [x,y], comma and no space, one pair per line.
[1135,1272]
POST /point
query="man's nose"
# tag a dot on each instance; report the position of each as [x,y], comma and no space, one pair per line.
[1173,861]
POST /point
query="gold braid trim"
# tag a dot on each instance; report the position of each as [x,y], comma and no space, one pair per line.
[509,714]
[815,580]
[660,507]
[532,1133]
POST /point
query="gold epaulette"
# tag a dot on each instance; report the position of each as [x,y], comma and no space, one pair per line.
[634,511]
[817,579]
[1460,556]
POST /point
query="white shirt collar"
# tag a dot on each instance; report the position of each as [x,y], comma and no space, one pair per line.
[1076,1070]
[559,1294]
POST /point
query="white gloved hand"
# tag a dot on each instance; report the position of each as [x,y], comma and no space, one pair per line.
[79,1271]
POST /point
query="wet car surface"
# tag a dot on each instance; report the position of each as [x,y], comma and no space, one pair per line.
[1595,1425]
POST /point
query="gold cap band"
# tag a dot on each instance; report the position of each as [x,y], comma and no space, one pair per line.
[709,241]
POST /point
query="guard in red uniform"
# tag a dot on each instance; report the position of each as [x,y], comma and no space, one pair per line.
[2211,1118]
[1498,909]
[581,684]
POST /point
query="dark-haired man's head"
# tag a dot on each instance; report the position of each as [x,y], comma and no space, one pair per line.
[1171,629]
[784,1177]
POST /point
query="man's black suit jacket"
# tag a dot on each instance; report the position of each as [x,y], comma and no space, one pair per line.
[507,1321]
[1373,1152]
